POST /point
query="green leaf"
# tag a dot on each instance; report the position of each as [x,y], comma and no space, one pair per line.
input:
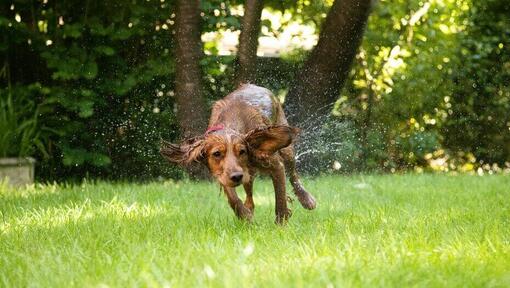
[73,30]
[74,157]
[100,160]
[86,109]
[90,70]
[106,50]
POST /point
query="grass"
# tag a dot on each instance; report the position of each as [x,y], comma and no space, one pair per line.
[404,230]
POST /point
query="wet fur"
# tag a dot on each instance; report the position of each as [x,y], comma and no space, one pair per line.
[254,138]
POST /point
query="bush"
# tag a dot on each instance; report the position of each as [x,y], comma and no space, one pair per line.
[21,134]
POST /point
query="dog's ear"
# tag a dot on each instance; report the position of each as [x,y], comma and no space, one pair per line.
[264,142]
[188,151]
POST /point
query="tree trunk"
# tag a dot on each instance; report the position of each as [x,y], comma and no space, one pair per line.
[248,41]
[318,84]
[191,111]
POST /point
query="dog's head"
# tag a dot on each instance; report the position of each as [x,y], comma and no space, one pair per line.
[227,154]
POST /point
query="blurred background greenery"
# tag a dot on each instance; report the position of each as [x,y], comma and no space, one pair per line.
[88,87]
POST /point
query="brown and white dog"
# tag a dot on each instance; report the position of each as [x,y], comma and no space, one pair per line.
[248,133]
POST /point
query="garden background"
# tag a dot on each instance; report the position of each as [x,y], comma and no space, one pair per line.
[88,88]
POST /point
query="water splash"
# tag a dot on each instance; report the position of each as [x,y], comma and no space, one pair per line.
[325,140]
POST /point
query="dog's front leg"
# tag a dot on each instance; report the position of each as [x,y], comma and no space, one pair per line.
[237,205]
[248,188]
[278,177]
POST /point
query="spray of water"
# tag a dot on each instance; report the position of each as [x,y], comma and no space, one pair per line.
[326,144]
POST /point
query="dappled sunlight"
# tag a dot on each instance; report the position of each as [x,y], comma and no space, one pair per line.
[283,36]
[87,211]
[45,206]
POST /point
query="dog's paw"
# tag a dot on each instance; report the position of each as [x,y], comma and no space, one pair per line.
[244,213]
[307,201]
[283,216]
[249,205]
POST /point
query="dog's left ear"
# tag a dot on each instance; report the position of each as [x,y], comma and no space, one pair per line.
[264,142]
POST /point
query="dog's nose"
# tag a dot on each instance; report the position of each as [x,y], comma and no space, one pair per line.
[236,177]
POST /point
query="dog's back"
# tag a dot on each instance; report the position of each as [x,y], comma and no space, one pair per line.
[246,108]
[258,97]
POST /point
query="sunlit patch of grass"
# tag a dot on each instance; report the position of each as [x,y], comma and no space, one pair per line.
[394,230]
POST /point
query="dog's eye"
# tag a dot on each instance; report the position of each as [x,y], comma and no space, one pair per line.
[216,154]
[242,151]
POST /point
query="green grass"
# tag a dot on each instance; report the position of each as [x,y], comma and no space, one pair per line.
[407,230]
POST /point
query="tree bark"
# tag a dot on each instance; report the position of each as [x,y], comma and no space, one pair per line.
[191,110]
[248,41]
[318,84]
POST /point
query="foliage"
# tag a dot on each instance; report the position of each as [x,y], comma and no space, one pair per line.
[480,100]
[107,73]
[96,81]
[411,90]
[411,230]
[21,134]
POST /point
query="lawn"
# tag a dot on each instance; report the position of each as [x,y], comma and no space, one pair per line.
[391,230]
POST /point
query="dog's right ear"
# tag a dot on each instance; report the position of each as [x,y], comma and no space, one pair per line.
[188,151]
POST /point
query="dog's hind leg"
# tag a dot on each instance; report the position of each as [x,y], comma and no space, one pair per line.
[306,199]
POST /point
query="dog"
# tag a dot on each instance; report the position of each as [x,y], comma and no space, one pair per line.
[248,134]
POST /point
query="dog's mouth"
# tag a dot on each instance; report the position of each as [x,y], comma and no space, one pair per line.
[233,184]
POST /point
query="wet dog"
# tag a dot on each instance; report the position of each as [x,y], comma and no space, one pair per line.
[248,134]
